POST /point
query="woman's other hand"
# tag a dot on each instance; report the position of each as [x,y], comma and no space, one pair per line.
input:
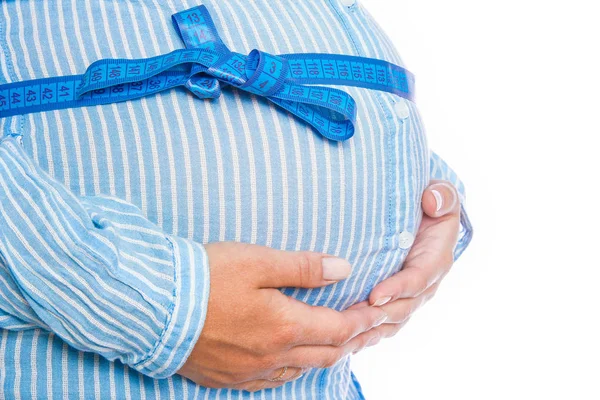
[427,263]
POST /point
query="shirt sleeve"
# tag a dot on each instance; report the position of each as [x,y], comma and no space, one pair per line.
[441,170]
[95,271]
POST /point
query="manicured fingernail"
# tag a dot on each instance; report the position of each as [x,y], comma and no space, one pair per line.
[447,203]
[439,200]
[382,301]
[381,320]
[335,269]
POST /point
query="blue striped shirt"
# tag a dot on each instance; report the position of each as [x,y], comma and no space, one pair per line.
[104,280]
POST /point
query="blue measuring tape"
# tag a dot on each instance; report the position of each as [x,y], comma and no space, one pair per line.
[206,65]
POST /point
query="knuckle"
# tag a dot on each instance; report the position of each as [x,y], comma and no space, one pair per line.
[264,364]
[304,270]
[288,334]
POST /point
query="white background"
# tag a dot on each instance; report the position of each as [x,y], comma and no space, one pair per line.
[509,91]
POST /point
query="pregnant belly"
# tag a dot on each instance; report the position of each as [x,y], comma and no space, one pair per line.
[239,169]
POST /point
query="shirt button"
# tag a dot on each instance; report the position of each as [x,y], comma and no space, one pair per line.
[406,240]
[401,109]
[348,3]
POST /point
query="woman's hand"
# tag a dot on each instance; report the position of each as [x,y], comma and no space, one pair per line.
[427,263]
[253,331]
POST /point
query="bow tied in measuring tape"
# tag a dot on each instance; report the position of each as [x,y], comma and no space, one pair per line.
[206,66]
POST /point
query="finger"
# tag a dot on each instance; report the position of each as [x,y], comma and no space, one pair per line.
[299,269]
[292,374]
[400,310]
[408,283]
[258,385]
[385,331]
[284,374]
[324,326]
[440,198]
[431,257]
[328,356]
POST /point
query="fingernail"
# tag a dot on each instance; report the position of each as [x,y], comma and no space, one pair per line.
[443,207]
[335,269]
[381,320]
[439,200]
[382,301]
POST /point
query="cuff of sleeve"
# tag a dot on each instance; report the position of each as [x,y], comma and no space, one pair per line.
[465,234]
[442,171]
[187,313]
[12,323]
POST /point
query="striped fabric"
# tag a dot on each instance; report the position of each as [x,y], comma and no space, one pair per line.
[103,210]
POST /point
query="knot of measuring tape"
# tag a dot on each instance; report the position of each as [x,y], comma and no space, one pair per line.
[206,66]
[264,75]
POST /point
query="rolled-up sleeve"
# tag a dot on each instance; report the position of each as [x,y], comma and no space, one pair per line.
[441,170]
[95,271]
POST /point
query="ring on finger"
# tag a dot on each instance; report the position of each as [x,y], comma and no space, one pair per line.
[283,375]
[280,377]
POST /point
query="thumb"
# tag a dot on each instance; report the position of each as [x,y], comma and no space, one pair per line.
[302,269]
[440,198]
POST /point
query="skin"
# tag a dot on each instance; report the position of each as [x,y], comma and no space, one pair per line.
[248,338]
[428,262]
